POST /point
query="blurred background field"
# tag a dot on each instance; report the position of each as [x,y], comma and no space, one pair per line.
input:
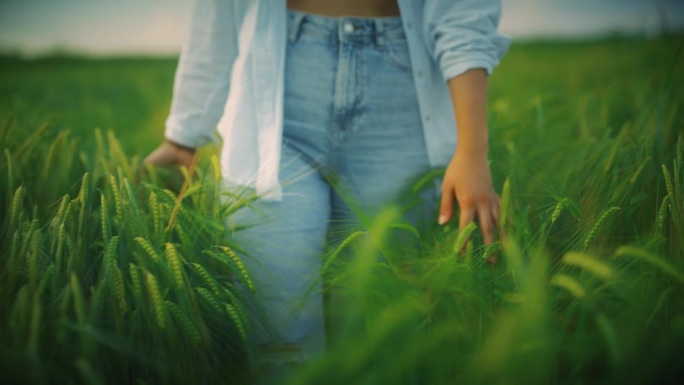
[109,277]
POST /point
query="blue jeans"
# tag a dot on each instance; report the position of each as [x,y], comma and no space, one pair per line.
[351,120]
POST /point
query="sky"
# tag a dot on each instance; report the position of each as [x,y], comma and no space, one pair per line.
[158,27]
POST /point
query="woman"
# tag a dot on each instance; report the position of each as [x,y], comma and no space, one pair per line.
[323,96]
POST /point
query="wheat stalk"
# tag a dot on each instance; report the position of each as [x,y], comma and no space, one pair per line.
[49,275]
[34,329]
[32,260]
[79,304]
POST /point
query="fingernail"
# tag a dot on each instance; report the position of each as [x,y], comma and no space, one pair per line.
[442,219]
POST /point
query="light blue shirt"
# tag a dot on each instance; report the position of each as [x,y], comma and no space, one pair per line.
[231,75]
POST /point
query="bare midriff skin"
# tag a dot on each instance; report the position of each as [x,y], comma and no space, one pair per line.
[338,8]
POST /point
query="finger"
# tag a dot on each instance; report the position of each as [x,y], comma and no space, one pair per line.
[446,206]
[484,216]
[467,216]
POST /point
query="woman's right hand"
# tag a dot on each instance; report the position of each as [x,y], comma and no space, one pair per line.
[170,154]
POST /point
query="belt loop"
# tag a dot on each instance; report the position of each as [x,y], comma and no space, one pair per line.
[295,27]
[379,33]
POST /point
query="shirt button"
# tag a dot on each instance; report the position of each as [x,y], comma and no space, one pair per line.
[427,118]
[408,25]
[419,73]
[349,28]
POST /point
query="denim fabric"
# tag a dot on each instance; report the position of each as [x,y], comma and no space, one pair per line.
[351,119]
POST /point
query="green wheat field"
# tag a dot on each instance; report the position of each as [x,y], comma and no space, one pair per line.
[113,273]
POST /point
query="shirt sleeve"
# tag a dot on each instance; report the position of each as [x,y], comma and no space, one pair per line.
[202,78]
[463,34]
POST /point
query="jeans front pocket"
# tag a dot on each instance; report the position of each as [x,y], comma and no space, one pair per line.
[398,55]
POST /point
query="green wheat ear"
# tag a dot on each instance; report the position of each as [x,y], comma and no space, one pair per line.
[16,203]
[206,277]
[236,320]
[187,324]
[83,196]
[662,214]
[639,170]
[120,290]
[557,210]
[593,265]
[613,153]
[492,248]
[241,267]
[599,223]
[651,259]
[341,247]
[117,197]
[174,260]
[148,248]
[570,284]
[104,219]
[210,298]
[58,219]
[154,209]
[59,251]
[136,282]
[463,236]
[156,297]
[668,181]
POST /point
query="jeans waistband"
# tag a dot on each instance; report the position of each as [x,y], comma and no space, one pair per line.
[377,30]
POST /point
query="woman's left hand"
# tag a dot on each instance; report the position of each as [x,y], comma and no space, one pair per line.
[468,180]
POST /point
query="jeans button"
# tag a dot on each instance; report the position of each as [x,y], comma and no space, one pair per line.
[349,28]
